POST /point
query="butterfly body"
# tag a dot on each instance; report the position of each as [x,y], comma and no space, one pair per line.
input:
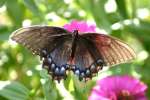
[83,53]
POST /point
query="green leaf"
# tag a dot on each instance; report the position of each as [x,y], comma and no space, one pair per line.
[30,4]
[2,2]
[142,31]
[80,89]
[99,14]
[15,11]
[49,89]
[122,8]
[13,90]
[4,33]
[67,82]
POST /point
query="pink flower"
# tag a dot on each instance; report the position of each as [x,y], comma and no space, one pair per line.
[81,26]
[119,88]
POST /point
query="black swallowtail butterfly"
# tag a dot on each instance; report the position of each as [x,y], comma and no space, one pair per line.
[83,53]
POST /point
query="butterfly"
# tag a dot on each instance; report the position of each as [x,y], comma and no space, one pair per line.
[82,53]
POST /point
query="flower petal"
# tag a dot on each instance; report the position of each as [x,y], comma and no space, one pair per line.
[112,87]
[81,26]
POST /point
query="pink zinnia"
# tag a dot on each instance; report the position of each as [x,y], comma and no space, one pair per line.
[119,88]
[81,26]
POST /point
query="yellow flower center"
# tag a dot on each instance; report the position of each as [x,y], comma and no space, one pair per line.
[125,95]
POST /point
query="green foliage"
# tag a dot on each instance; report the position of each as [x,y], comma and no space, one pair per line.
[13,90]
[20,75]
[49,88]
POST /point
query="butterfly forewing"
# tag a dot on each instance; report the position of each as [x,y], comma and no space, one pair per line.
[113,51]
[37,38]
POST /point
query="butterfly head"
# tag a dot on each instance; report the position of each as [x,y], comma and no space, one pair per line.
[75,33]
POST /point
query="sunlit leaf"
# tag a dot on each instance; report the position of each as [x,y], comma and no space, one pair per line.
[13,90]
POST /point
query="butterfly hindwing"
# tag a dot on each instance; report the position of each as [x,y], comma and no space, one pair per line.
[61,53]
[82,58]
[87,59]
[113,51]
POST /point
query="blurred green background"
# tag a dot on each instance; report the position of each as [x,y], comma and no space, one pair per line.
[21,77]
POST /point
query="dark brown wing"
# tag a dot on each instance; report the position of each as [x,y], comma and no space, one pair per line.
[112,50]
[82,58]
[37,38]
[87,59]
[86,53]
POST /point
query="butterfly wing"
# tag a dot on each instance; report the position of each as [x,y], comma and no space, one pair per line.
[61,54]
[112,50]
[37,38]
[51,43]
[82,58]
